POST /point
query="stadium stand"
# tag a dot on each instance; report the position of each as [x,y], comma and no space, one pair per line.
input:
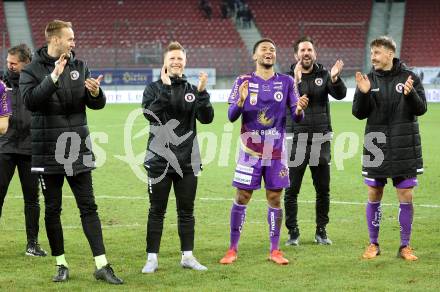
[285,20]
[421,34]
[4,35]
[119,40]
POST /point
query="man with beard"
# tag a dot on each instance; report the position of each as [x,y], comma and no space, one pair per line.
[259,98]
[311,137]
[390,97]
[15,150]
[57,88]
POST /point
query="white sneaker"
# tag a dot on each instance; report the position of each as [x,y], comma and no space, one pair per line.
[150,266]
[190,262]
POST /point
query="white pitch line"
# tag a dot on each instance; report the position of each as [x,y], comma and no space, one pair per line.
[80,227]
[225,223]
[135,225]
[432,206]
[121,125]
[331,201]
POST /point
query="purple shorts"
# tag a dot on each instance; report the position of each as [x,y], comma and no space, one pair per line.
[250,170]
[399,182]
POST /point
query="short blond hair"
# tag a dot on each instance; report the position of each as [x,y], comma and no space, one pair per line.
[54,28]
[173,46]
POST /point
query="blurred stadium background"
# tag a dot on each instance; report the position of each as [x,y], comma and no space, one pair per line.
[124,38]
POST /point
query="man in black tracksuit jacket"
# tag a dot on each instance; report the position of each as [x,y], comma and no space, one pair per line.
[311,137]
[57,88]
[390,97]
[15,150]
[172,106]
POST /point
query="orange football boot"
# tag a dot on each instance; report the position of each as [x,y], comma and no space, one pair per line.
[276,256]
[371,252]
[406,253]
[229,258]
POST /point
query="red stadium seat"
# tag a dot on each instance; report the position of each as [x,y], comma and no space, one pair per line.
[280,20]
[139,22]
[3,28]
[421,36]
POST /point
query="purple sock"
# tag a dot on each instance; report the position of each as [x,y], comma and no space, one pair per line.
[274,218]
[405,220]
[238,216]
[374,215]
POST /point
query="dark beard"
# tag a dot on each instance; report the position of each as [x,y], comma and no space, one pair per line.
[307,67]
[13,77]
[267,66]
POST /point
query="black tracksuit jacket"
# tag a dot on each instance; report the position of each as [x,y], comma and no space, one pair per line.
[178,103]
[57,109]
[390,112]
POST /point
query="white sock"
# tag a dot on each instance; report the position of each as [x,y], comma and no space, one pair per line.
[100,261]
[152,257]
[61,260]
[187,253]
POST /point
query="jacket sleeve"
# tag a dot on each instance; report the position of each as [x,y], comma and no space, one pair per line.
[338,89]
[34,92]
[97,102]
[154,102]
[362,104]
[204,109]
[416,98]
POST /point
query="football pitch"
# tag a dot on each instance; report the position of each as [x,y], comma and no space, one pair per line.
[121,137]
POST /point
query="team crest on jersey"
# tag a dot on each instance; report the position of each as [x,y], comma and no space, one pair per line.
[189,97]
[318,81]
[399,87]
[263,119]
[74,75]
[278,96]
[253,98]
[284,172]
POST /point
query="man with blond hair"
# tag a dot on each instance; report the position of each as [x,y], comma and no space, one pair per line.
[57,88]
[172,106]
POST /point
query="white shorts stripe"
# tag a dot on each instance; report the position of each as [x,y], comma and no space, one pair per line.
[243,178]
[245,169]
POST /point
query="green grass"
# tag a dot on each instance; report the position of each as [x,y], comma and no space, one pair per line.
[123,207]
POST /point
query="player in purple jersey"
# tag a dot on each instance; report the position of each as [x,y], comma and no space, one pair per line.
[260,99]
